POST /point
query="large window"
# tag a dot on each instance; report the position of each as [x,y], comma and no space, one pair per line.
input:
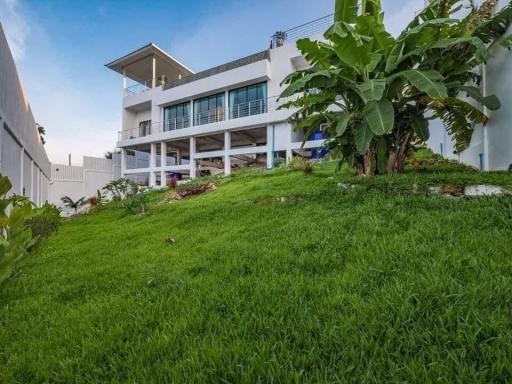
[177,116]
[248,101]
[209,109]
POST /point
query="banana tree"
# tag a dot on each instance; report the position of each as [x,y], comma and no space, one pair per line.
[375,94]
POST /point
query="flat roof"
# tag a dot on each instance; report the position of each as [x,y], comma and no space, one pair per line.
[138,63]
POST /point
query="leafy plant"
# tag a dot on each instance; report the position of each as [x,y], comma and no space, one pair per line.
[121,188]
[301,164]
[137,204]
[15,237]
[45,220]
[76,205]
[375,94]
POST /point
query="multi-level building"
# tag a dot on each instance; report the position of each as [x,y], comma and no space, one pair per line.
[22,155]
[175,121]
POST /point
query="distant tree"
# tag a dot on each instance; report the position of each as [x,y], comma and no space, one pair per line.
[42,132]
[108,155]
[68,202]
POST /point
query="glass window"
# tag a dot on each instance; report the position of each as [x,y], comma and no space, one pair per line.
[177,116]
[209,109]
[248,101]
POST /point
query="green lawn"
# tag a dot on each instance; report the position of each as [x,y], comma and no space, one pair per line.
[371,284]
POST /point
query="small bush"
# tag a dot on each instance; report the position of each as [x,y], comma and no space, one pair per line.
[45,221]
[15,238]
[137,204]
[301,164]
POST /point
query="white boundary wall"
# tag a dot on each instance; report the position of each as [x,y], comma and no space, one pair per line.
[22,156]
[79,181]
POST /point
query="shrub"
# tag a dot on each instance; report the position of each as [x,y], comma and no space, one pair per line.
[15,237]
[137,204]
[121,188]
[76,205]
[45,221]
[301,164]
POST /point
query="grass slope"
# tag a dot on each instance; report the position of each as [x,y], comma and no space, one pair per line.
[367,285]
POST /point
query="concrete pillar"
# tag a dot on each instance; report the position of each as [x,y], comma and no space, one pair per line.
[123,161]
[227,150]
[227,106]
[152,166]
[22,169]
[163,163]
[270,146]
[125,80]
[192,159]
[289,155]
[153,79]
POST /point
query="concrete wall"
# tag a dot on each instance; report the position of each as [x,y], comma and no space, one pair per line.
[27,168]
[80,181]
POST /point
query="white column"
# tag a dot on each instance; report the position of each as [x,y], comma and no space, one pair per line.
[125,80]
[270,146]
[192,155]
[22,153]
[163,163]
[289,155]
[152,165]
[153,79]
[123,161]
[32,180]
[227,148]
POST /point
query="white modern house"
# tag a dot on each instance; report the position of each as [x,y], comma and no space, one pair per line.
[22,155]
[175,121]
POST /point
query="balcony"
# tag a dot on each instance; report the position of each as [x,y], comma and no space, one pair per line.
[237,111]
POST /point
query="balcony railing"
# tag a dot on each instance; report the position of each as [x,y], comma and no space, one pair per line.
[237,111]
[311,28]
[138,88]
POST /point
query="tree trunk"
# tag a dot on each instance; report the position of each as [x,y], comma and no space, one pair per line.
[366,163]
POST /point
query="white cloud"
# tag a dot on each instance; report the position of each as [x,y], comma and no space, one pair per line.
[15,26]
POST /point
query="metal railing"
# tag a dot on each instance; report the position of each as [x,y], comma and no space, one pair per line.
[311,28]
[209,117]
[236,111]
[177,123]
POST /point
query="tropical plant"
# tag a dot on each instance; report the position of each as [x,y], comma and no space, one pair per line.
[375,94]
[137,203]
[76,205]
[45,220]
[15,237]
[121,188]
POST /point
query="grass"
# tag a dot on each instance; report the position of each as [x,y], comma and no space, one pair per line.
[374,284]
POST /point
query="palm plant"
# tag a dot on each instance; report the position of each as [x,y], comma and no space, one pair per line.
[70,203]
[375,94]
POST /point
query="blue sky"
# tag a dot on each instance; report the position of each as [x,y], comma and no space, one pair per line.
[61,46]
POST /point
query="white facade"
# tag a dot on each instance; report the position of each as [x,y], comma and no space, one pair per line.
[79,181]
[22,155]
[239,125]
